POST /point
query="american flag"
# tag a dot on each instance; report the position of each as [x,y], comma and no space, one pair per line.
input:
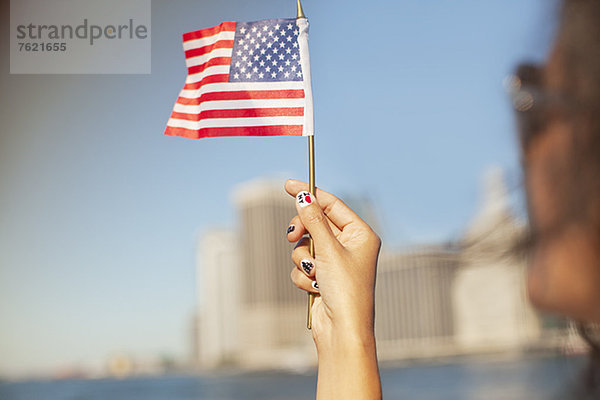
[245,79]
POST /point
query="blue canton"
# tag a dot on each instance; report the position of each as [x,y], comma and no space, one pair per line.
[266,51]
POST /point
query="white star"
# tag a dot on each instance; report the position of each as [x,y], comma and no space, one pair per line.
[295,44]
[262,51]
[249,63]
[262,63]
[236,76]
[245,47]
[264,39]
[296,32]
[268,56]
[243,30]
[239,53]
[290,26]
[273,74]
[275,50]
[287,62]
[248,75]
[287,74]
[251,51]
[258,34]
[281,57]
[254,29]
[268,68]
[280,68]
[243,69]
[289,38]
[257,46]
[277,26]
[265,28]
[261,75]
[294,56]
[256,57]
[275,39]
[255,69]
[237,64]
[299,73]
[288,50]
[274,62]
[247,36]
[270,33]
[269,45]
[282,44]
[293,68]
[244,58]
[252,40]
[282,32]
[242,41]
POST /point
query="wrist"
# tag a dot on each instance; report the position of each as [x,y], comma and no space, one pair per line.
[349,329]
[345,341]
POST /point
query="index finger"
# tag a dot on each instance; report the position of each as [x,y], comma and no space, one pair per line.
[339,213]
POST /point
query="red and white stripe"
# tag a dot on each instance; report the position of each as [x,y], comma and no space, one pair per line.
[209,105]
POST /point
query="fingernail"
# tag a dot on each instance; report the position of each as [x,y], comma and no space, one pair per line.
[314,285]
[307,266]
[290,229]
[304,199]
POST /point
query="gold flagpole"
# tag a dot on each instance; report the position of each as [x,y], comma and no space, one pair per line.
[311,243]
[311,184]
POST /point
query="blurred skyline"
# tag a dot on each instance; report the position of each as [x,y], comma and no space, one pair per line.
[100,212]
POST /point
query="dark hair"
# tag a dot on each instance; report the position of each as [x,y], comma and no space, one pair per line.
[578,46]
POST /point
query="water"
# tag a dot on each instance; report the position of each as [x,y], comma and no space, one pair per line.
[531,379]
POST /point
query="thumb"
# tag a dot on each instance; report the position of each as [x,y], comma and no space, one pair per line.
[314,220]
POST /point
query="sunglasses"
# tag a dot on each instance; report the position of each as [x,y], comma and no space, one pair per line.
[535,106]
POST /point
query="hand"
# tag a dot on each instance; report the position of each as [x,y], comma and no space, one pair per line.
[344,266]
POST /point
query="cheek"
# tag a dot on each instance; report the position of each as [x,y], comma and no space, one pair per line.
[546,166]
[565,267]
[545,186]
[565,276]
[541,197]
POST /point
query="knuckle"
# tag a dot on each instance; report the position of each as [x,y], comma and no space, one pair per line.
[329,208]
[315,218]
[372,237]
[295,278]
[295,256]
[376,239]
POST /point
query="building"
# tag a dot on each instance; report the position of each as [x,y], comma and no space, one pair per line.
[273,310]
[414,316]
[491,308]
[218,283]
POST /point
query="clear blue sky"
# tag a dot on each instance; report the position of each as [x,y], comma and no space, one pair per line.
[100,212]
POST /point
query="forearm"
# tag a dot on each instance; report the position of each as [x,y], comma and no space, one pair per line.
[348,369]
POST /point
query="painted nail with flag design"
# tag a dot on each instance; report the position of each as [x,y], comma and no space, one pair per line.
[304,199]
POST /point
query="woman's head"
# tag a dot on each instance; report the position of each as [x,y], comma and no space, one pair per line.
[561,158]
